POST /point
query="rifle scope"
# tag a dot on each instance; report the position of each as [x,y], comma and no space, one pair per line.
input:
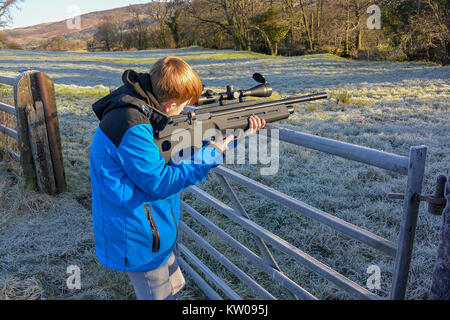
[264,90]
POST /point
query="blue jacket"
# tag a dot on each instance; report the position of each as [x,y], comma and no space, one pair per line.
[135,195]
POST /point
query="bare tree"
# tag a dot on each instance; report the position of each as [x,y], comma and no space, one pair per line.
[232,16]
[271,27]
[175,10]
[5,9]
[106,34]
[160,12]
[139,26]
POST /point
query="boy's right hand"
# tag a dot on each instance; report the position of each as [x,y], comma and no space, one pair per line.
[222,147]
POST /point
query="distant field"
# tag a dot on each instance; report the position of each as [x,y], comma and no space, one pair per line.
[382,105]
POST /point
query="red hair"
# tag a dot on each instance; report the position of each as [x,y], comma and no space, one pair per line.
[174,80]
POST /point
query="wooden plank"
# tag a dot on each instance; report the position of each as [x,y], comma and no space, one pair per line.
[47,96]
[37,132]
[23,96]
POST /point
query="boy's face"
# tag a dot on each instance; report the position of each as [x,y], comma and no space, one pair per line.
[173,109]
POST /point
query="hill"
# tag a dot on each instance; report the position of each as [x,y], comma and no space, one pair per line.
[33,36]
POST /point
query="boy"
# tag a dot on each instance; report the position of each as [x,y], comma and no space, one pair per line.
[135,195]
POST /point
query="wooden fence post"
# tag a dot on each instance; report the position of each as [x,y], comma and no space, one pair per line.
[47,97]
[22,98]
[38,129]
[42,160]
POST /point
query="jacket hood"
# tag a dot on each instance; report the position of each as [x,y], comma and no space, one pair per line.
[137,92]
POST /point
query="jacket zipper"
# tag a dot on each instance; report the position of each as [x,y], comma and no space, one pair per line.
[173,216]
[176,225]
[155,232]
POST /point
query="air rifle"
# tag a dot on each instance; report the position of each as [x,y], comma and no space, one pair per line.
[210,122]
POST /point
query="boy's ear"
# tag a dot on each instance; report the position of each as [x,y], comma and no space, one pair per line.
[168,106]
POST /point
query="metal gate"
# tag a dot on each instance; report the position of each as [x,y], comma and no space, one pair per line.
[412,166]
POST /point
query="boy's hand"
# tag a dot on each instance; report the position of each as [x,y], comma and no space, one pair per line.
[222,147]
[255,124]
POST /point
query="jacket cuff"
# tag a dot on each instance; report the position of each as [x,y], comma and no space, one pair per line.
[209,156]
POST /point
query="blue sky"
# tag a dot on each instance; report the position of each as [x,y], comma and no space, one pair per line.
[39,11]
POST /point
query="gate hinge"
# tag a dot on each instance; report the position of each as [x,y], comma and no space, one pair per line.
[436,203]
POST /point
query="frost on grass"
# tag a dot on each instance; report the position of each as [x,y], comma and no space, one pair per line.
[381,105]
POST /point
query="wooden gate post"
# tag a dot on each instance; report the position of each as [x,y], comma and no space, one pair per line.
[22,98]
[38,127]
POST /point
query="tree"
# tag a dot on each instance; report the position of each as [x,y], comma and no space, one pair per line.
[232,16]
[58,43]
[168,17]
[175,11]
[5,9]
[106,35]
[272,28]
[419,28]
[139,26]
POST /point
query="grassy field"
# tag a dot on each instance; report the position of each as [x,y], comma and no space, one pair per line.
[387,106]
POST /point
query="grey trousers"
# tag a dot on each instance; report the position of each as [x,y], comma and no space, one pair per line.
[163,283]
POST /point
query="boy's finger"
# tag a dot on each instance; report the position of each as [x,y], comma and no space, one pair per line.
[263,123]
[253,123]
[229,139]
[258,123]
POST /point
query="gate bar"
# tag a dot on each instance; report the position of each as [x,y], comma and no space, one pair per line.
[354,152]
[256,260]
[305,259]
[7,108]
[227,263]
[340,225]
[240,209]
[9,132]
[7,80]
[264,250]
[202,284]
[211,275]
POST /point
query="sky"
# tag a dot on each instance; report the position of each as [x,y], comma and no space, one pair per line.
[34,12]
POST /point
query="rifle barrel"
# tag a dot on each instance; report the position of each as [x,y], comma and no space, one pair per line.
[248,105]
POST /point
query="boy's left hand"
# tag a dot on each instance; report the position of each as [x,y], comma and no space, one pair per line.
[256,124]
